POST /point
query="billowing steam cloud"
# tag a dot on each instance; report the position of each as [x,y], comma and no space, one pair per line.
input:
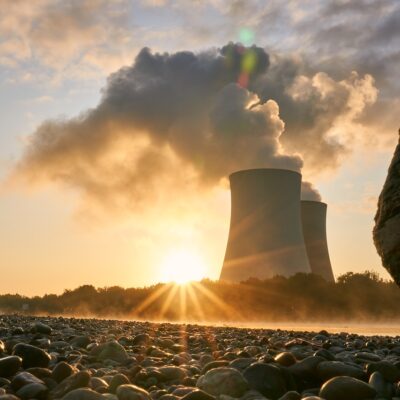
[188,117]
[308,192]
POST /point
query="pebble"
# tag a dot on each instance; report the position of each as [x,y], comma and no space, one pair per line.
[82,394]
[23,379]
[62,370]
[40,327]
[75,381]
[223,380]
[32,356]
[285,359]
[198,395]
[10,365]
[346,388]
[33,391]
[132,392]
[117,380]
[89,359]
[110,351]
[390,372]
[266,379]
[383,389]
[329,369]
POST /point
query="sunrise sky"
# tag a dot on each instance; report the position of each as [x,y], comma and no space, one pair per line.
[108,180]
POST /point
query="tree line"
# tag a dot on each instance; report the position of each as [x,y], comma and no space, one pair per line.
[302,297]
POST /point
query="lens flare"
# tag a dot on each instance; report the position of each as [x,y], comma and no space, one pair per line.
[182,266]
[246,36]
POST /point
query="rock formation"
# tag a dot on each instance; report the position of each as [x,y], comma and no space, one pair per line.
[386,232]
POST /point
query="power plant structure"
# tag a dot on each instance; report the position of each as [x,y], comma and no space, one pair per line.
[265,235]
[313,217]
[271,231]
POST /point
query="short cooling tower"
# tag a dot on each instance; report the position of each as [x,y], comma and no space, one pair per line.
[313,214]
[265,236]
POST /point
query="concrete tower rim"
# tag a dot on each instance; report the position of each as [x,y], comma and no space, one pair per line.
[314,201]
[267,170]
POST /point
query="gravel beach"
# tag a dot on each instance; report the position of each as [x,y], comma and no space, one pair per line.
[90,359]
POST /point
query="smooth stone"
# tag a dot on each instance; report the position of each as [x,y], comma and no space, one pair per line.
[223,380]
[110,351]
[118,380]
[197,395]
[4,381]
[241,363]
[171,373]
[286,359]
[80,341]
[22,379]
[141,338]
[40,327]
[39,372]
[325,354]
[132,392]
[313,398]
[329,369]
[266,379]
[168,396]
[109,396]
[182,391]
[390,372]
[364,355]
[205,359]
[214,364]
[9,366]
[96,382]
[306,368]
[346,388]
[76,381]
[32,356]
[33,391]
[383,388]
[62,370]
[291,396]
[83,394]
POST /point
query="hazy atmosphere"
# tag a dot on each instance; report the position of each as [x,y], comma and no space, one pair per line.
[121,121]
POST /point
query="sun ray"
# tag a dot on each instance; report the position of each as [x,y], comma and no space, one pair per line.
[195,301]
[230,311]
[151,299]
[182,302]
[168,301]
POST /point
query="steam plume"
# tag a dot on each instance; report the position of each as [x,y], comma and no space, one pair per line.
[188,117]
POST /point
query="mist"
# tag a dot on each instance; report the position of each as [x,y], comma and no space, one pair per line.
[361,297]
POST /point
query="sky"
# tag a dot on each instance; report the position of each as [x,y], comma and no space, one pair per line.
[120,121]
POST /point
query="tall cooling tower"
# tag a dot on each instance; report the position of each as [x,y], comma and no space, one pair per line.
[313,215]
[265,236]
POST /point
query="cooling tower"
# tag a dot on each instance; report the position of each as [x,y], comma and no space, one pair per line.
[313,215]
[265,236]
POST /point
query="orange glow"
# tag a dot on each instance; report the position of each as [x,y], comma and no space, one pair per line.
[182,266]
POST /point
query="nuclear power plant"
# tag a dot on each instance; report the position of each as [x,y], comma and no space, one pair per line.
[265,235]
[272,232]
[313,217]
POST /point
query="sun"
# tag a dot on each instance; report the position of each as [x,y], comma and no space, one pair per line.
[182,266]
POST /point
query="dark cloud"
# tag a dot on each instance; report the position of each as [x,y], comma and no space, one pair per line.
[171,118]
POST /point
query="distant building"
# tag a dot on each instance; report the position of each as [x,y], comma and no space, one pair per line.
[272,232]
